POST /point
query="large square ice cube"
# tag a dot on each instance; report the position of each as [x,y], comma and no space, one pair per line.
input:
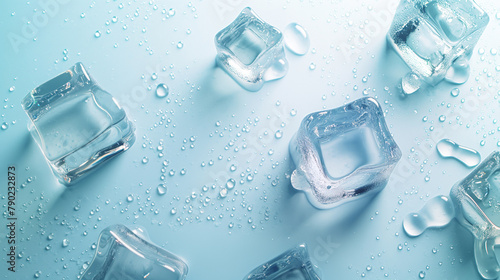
[292,264]
[77,124]
[123,254]
[477,206]
[432,35]
[251,51]
[343,154]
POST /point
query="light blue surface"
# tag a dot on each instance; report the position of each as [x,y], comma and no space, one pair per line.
[347,43]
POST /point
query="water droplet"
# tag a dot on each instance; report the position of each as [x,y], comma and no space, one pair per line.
[278,134]
[469,157]
[459,71]
[162,189]
[97,34]
[154,76]
[223,193]
[162,90]
[442,118]
[411,83]
[145,160]
[65,242]
[130,198]
[296,39]
[312,66]
[171,12]
[437,212]
[421,275]
[230,184]
[12,88]
[180,45]
[4,126]
[455,92]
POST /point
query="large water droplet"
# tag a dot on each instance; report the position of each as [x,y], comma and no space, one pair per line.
[296,39]
[459,71]
[277,71]
[411,83]
[162,189]
[437,212]
[162,90]
[4,126]
[469,157]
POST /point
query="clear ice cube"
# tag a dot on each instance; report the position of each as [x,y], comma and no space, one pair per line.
[76,124]
[123,254]
[430,36]
[251,51]
[343,154]
[477,206]
[293,264]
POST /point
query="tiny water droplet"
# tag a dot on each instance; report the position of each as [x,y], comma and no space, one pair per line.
[230,184]
[296,39]
[12,88]
[154,76]
[312,66]
[97,34]
[223,193]
[130,198]
[65,242]
[421,275]
[145,160]
[180,45]
[4,126]
[442,118]
[455,92]
[278,134]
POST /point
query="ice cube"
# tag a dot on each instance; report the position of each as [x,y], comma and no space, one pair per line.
[123,254]
[76,124]
[293,264]
[251,51]
[477,206]
[430,36]
[343,154]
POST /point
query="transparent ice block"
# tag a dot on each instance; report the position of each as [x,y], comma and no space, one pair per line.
[76,124]
[477,206]
[343,154]
[433,36]
[293,264]
[251,51]
[125,255]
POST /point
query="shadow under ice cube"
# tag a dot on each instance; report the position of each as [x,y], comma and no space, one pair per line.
[76,124]
[292,264]
[477,206]
[123,254]
[251,51]
[343,154]
[435,36]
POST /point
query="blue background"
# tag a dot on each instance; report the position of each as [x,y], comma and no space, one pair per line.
[347,44]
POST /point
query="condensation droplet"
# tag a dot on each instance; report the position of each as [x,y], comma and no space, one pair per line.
[162,90]
[296,39]
[437,212]
[469,157]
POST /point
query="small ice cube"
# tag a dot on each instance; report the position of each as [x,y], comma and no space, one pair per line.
[477,202]
[430,36]
[76,124]
[343,154]
[292,264]
[251,51]
[128,255]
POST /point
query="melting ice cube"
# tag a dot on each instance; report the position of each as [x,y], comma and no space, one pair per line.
[77,124]
[343,154]
[477,203]
[126,255]
[292,264]
[251,51]
[431,36]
